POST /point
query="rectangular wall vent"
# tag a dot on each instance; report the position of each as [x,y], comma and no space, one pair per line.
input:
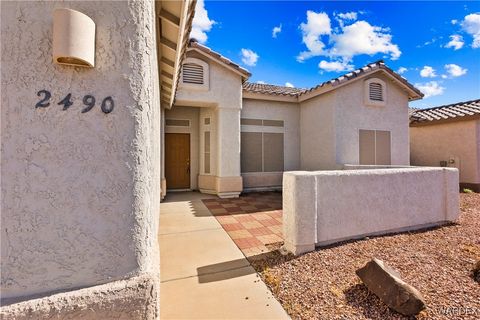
[376,92]
[192,73]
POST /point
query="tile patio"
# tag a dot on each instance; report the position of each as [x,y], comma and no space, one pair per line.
[253,221]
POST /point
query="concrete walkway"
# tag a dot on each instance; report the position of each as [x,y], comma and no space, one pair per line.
[203,274]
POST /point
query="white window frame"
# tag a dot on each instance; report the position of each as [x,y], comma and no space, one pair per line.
[366,94]
[206,76]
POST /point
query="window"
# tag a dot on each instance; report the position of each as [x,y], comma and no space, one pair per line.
[195,74]
[375,92]
[262,145]
[374,147]
[177,122]
[206,154]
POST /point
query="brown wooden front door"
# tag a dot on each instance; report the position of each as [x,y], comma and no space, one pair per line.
[177,160]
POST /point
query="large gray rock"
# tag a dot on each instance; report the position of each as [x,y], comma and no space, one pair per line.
[386,284]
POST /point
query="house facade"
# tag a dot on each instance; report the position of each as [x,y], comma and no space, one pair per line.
[224,135]
[448,136]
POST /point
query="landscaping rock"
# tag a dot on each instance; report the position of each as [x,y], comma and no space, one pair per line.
[386,284]
[476,271]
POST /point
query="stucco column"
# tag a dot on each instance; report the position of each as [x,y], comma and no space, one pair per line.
[229,181]
[80,186]
[299,211]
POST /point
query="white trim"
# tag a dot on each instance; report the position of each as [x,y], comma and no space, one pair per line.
[329,87]
[269,129]
[268,97]
[174,126]
[219,62]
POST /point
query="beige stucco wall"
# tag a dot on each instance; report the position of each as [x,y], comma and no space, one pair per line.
[317,133]
[459,141]
[275,110]
[79,190]
[330,125]
[222,102]
[191,114]
[318,205]
[352,114]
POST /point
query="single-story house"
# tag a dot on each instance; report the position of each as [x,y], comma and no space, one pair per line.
[448,136]
[224,135]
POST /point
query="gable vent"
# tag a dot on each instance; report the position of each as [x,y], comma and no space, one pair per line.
[376,92]
[192,73]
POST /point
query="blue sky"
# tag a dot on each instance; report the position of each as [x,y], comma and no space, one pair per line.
[435,44]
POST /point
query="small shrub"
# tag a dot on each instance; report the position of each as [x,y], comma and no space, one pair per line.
[466,190]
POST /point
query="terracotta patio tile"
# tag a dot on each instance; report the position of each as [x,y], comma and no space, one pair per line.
[214,206]
[270,222]
[226,220]
[245,243]
[218,211]
[271,238]
[238,234]
[232,226]
[247,208]
[260,231]
[233,209]
[251,224]
[244,218]
[262,216]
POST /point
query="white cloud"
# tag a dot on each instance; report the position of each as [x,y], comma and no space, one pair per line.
[455,70]
[402,70]
[430,89]
[276,31]
[318,24]
[261,82]
[201,23]
[471,25]
[249,57]
[343,43]
[427,72]
[345,17]
[363,38]
[454,21]
[288,84]
[456,42]
[336,66]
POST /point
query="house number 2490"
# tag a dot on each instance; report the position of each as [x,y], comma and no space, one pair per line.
[88,100]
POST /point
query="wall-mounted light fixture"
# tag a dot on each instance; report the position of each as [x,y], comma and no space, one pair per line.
[73,38]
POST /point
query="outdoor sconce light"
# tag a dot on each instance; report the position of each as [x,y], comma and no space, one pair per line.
[73,38]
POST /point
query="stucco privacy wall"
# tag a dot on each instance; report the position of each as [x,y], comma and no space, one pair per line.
[79,193]
[459,141]
[317,206]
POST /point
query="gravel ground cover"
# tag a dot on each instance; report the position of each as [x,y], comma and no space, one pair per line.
[438,262]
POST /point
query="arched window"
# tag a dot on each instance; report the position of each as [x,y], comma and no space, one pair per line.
[375,92]
[195,74]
